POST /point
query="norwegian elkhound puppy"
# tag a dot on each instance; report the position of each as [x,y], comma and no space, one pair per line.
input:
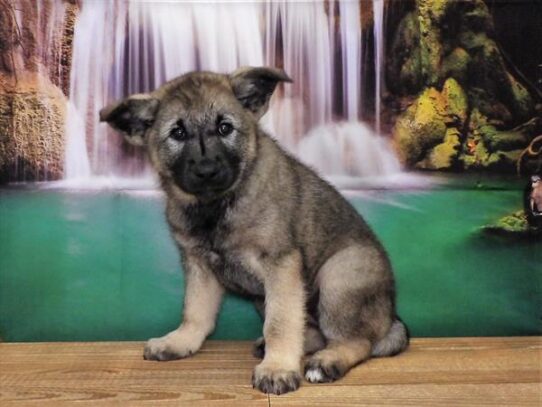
[249,218]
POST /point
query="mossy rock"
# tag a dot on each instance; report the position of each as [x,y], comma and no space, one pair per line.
[488,72]
[472,41]
[502,140]
[520,99]
[408,147]
[444,155]
[455,101]
[404,69]
[489,106]
[487,148]
[481,159]
[422,126]
[476,16]
[429,116]
[410,74]
[32,117]
[426,123]
[475,155]
[514,225]
[430,15]
[456,64]
[450,45]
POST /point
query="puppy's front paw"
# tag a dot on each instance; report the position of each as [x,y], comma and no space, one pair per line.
[169,347]
[274,380]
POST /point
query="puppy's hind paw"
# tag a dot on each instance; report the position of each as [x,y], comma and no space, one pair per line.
[318,372]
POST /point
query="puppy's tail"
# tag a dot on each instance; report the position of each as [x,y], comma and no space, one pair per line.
[394,342]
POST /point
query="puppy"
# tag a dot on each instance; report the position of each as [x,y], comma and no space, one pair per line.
[249,218]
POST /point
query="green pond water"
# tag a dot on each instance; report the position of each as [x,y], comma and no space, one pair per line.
[83,265]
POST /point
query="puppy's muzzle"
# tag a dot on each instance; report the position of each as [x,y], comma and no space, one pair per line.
[207,170]
[208,174]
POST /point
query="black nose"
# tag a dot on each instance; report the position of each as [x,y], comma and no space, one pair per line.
[206,169]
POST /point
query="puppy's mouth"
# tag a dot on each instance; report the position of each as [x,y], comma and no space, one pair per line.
[205,190]
[205,179]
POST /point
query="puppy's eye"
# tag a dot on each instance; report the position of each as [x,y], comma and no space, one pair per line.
[178,133]
[225,129]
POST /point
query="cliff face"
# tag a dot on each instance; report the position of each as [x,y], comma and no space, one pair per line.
[32,117]
[35,59]
[465,106]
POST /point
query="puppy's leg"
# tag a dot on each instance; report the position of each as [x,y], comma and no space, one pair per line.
[279,372]
[355,310]
[203,295]
[313,340]
[258,348]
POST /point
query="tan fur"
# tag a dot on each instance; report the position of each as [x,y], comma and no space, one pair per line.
[285,313]
[284,322]
[203,296]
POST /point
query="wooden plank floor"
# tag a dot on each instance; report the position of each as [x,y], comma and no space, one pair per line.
[454,372]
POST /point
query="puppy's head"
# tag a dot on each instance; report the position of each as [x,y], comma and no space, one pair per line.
[199,129]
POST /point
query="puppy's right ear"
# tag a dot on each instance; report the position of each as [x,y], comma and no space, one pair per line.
[132,116]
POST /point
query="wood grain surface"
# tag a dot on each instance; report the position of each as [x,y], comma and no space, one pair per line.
[433,372]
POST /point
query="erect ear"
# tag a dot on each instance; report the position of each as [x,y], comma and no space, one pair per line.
[132,116]
[253,87]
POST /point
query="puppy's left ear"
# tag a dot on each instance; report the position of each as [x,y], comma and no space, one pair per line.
[253,87]
[132,116]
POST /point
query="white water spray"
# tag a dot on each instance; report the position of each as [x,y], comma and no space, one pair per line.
[347,149]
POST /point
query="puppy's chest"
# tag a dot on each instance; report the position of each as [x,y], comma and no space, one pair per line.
[233,273]
[221,244]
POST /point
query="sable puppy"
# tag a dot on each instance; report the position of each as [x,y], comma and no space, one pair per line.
[250,218]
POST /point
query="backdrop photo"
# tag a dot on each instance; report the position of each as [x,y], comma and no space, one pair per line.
[425,114]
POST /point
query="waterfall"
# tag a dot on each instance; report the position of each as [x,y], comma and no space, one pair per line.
[378,25]
[126,46]
[298,38]
[347,149]
[141,46]
[351,35]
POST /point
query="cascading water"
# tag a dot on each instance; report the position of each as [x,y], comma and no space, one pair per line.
[142,45]
[123,47]
[351,35]
[378,25]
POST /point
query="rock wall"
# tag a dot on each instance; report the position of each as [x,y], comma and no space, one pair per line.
[35,60]
[32,117]
[463,106]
